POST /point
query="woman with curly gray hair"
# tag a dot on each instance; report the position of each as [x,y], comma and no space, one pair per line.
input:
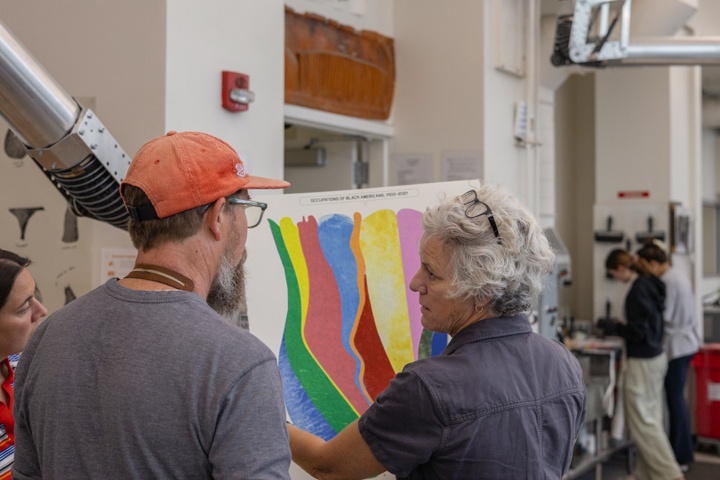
[501,401]
[504,272]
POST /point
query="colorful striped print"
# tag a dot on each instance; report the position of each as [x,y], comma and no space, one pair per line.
[352,321]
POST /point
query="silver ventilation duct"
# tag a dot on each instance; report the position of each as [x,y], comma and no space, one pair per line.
[68,142]
[597,34]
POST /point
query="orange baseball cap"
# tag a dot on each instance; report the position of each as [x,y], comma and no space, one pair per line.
[180,171]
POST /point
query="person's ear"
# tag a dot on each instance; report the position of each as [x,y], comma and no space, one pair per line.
[214,218]
[480,305]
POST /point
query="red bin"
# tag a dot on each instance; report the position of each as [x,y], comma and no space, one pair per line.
[707,391]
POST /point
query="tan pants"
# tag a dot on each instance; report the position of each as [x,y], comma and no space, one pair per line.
[644,415]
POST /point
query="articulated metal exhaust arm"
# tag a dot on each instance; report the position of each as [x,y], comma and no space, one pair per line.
[589,37]
[71,146]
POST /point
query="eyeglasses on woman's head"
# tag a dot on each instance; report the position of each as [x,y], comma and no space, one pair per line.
[474,207]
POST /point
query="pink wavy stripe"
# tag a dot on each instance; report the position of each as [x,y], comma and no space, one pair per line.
[323,326]
[410,230]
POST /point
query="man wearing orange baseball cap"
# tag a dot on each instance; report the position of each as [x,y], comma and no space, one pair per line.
[142,377]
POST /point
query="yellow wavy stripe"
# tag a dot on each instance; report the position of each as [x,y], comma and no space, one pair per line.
[380,244]
[291,236]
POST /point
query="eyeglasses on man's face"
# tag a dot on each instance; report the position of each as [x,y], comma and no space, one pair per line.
[477,208]
[253,210]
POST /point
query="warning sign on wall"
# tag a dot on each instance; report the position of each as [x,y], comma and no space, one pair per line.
[634,194]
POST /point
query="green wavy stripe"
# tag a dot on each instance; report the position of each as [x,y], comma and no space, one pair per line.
[317,385]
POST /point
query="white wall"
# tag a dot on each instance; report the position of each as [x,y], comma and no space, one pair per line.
[633,133]
[113,55]
[375,15]
[575,169]
[682,114]
[148,68]
[705,22]
[506,163]
[438,93]
[709,161]
[449,95]
[205,38]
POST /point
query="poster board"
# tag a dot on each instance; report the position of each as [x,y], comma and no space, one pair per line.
[328,290]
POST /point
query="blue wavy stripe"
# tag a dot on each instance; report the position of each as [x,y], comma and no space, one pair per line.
[301,409]
[334,234]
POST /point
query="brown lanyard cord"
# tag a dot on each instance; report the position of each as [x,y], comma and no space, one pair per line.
[156,273]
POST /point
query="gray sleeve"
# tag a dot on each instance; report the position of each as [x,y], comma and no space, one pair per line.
[26,465]
[671,299]
[251,440]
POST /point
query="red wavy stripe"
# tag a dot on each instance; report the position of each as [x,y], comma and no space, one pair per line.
[323,327]
[378,371]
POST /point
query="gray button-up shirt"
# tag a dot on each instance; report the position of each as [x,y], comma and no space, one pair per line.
[499,402]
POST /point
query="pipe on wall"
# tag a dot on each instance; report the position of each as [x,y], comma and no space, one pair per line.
[70,145]
[38,109]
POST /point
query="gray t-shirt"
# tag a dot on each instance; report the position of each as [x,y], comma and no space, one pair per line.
[681,319]
[136,384]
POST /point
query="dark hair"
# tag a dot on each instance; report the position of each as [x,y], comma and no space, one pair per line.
[148,234]
[11,265]
[651,252]
[617,258]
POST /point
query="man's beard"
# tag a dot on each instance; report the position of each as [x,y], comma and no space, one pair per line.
[227,292]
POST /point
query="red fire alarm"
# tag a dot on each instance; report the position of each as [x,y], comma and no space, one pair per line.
[236,94]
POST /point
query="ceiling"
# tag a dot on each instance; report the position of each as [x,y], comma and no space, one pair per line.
[710,73]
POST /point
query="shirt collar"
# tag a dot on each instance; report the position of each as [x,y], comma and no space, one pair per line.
[489,328]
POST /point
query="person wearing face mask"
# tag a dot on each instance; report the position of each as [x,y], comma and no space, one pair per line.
[20,314]
[142,377]
[500,402]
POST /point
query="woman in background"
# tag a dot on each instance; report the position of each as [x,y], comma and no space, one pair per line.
[646,366]
[20,314]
